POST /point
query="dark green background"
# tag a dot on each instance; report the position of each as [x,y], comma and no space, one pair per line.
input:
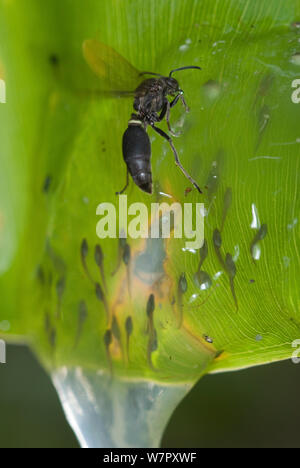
[257,407]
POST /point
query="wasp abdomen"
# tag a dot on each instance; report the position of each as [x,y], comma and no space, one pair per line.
[137,154]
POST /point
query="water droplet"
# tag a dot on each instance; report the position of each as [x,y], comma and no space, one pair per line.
[256,252]
[292,224]
[254,247]
[236,253]
[165,194]
[295,59]
[202,280]
[255,224]
[256,158]
[218,42]
[208,339]
[212,89]
[217,275]
[183,47]
[185,249]
[193,298]
[5,325]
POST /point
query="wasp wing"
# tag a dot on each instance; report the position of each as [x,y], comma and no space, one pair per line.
[117,75]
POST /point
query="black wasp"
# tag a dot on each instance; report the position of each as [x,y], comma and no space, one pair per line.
[151,106]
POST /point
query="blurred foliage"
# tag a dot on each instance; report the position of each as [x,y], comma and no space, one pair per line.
[253,408]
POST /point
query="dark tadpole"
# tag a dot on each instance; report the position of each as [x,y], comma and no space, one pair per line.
[57,261]
[181,290]
[99,261]
[151,330]
[154,342]
[152,346]
[84,250]
[60,289]
[263,89]
[52,337]
[150,306]
[231,271]
[127,262]
[126,254]
[47,322]
[129,330]
[203,254]
[182,284]
[263,121]
[82,316]
[121,247]
[40,274]
[202,280]
[213,179]
[102,298]
[54,60]
[217,241]
[46,184]
[115,329]
[107,342]
[50,330]
[226,206]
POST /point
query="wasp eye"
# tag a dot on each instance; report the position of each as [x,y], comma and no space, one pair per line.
[181,92]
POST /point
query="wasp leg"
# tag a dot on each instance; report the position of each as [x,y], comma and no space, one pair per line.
[169,106]
[166,111]
[175,100]
[127,183]
[187,109]
[177,161]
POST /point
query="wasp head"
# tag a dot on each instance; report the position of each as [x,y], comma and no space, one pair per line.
[172,86]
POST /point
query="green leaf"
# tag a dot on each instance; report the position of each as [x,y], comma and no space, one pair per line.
[233,304]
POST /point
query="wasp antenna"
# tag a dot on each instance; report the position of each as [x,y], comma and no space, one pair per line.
[183,68]
[149,73]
